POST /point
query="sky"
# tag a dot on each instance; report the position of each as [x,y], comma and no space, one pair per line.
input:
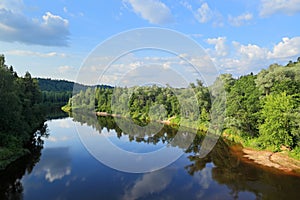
[53,38]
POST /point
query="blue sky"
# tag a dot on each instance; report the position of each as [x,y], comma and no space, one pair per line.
[52,38]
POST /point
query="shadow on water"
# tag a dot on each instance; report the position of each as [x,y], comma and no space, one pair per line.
[11,186]
[10,178]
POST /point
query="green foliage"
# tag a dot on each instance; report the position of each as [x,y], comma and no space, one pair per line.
[58,92]
[295,153]
[243,105]
[279,126]
[20,111]
[148,103]
[277,79]
[261,111]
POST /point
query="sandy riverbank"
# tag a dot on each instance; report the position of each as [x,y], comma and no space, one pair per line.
[267,159]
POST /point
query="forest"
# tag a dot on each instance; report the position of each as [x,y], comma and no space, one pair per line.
[58,92]
[261,110]
[25,104]
[20,114]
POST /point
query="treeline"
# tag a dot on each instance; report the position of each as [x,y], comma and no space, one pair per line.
[260,110]
[58,92]
[148,103]
[20,113]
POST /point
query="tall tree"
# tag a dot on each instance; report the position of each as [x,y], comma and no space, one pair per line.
[280,121]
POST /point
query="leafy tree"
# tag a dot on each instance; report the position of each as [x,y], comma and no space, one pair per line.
[243,105]
[279,79]
[279,125]
[20,112]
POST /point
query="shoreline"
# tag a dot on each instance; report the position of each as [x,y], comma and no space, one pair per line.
[105,114]
[273,161]
[277,161]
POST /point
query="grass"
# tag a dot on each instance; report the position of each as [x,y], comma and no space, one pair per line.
[295,153]
[255,143]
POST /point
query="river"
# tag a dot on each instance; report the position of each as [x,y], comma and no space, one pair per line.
[65,169]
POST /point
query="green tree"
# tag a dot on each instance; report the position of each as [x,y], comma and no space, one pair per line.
[280,119]
[243,106]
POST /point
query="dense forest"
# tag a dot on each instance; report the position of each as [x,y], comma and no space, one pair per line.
[55,91]
[20,113]
[58,92]
[262,110]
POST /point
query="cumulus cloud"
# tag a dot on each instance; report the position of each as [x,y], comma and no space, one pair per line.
[204,13]
[220,45]
[246,58]
[149,184]
[54,165]
[51,30]
[154,11]
[289,7]
[287,48]
[250,51]
[240,20]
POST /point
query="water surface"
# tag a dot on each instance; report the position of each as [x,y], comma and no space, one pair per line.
[64,169]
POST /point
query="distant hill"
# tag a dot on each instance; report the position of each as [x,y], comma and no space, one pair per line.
[58,92]
[51,85]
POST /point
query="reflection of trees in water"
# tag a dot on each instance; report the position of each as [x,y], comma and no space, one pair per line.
[11,186]
[162,133]
[242,177]
[227,169]
[54,112]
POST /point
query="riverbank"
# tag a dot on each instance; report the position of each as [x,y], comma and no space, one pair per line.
[273,160]
[279,161]
[105,114]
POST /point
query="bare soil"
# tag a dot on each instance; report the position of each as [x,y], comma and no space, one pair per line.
[278,160]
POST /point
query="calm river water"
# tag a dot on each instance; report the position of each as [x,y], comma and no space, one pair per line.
[64,169]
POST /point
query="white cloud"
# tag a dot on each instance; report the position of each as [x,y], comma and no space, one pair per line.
[287,48]
[240,20]
[32,53]
[66,10]
[154,11]
[251,57]
[150,183]
[220,45]
[244,59]
[54,165]
[13,5]
[289,7]
[250,51]
[51,30]
[186,5]
[56,139]
[204,13]
[65,68]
